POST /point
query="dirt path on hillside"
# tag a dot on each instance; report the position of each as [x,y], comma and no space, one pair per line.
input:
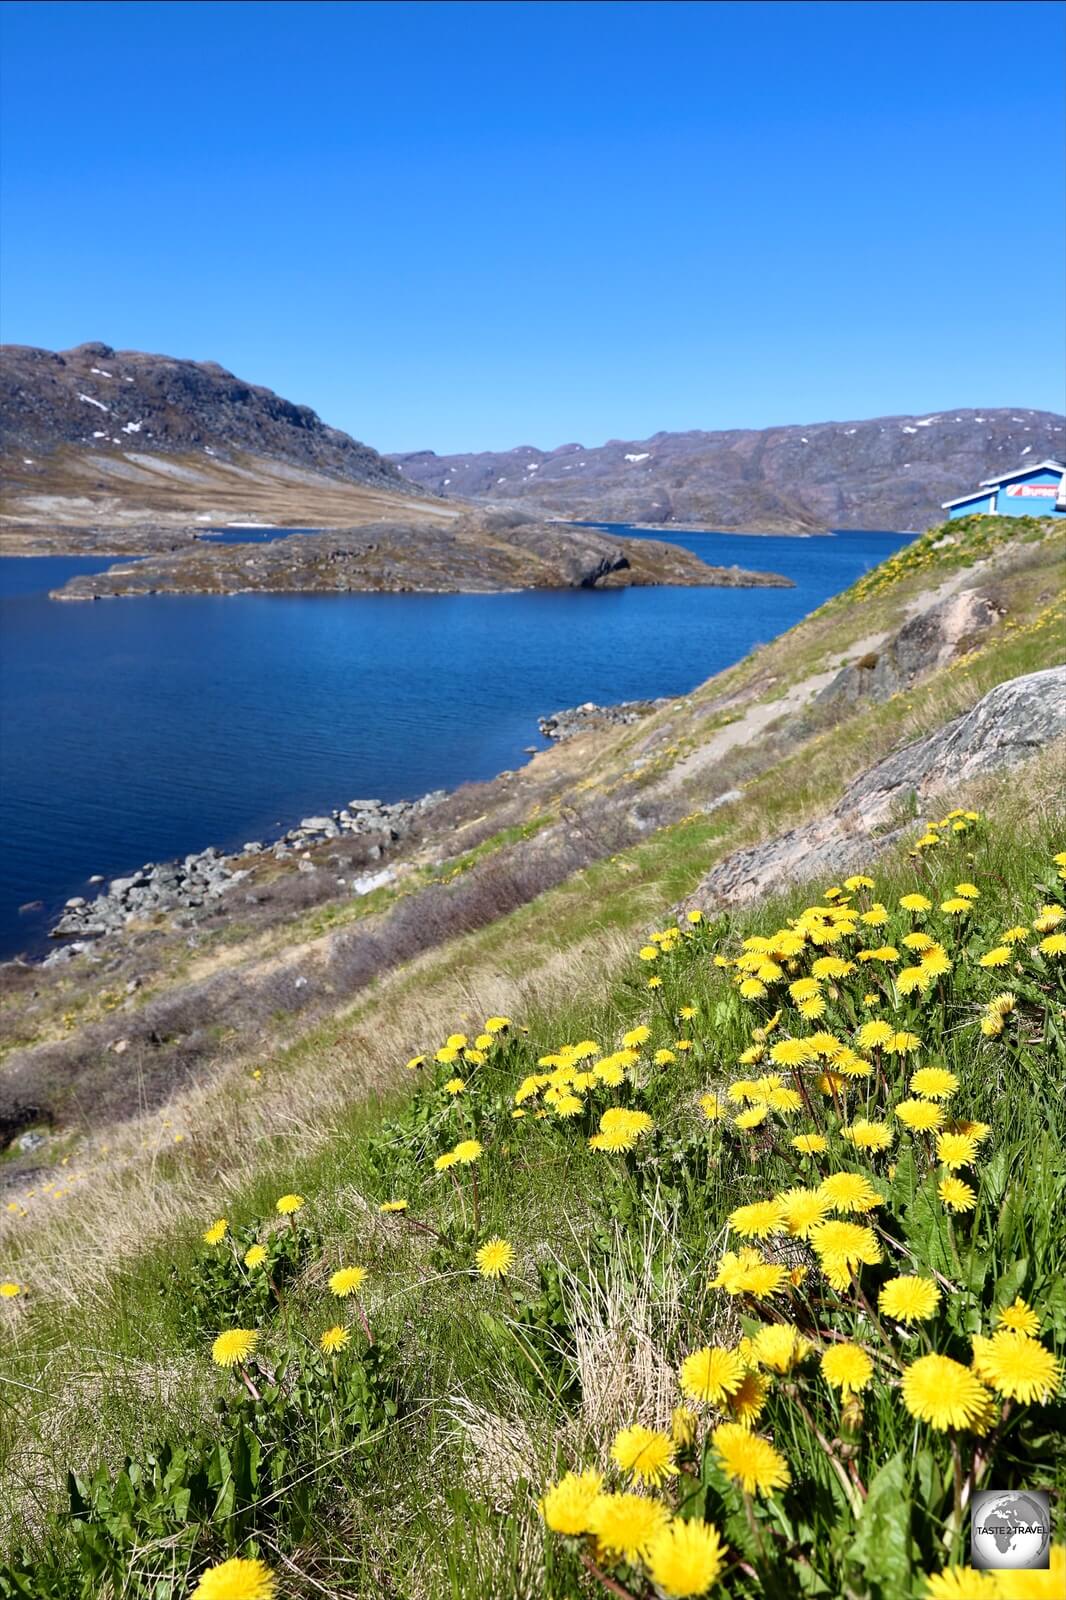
[757,718]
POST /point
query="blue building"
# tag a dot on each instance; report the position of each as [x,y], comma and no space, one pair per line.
[1037,491]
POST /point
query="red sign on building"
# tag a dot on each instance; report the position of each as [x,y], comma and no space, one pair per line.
[1033,491]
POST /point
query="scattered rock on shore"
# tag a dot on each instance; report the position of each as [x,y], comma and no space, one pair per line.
[583,719]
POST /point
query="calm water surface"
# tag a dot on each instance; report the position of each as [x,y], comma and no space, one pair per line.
[136,730]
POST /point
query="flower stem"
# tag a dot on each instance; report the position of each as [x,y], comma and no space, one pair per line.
[609,1583]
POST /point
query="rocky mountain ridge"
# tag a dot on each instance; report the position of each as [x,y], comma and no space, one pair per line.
[886,472]
[102,398]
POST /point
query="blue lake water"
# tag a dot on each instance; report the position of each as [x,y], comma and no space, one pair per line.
[136,730]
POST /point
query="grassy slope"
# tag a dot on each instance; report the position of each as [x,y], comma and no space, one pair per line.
[123,1339]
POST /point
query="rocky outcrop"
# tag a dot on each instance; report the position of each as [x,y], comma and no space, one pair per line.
[929,641]
[590,718]
[489,551]
[1013,722]
[889,472]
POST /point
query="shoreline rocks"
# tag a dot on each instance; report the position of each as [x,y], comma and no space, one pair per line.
[561,725]
[204,876]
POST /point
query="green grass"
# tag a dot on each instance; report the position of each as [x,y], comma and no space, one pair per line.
[497,1391]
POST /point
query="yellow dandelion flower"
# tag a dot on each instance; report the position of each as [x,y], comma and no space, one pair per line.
[912,979]
[939,1391]
[216,1232]
[415,1061]
[916,902]
[712,1107]
[566,1105]
[934,1083]
[903,1043]
[655,983]
[9,1290]
[636,1037]
[956,1149]
[810,1144]
[646,1455]
[802,1208]
[1019,1318]
[867,1135]
[346,1281]
[626,1524]
[234,1347]
[997,957]
[849,1191]
[448,1159]
[497,1024]
[1054,944]
[875,1035]
[1020,1368]
[842,1247]
[334,1339]
[494,1258]
[711,1374]
[1050,916]
[288,1204]
[685,1558]
[780,1347]
[393,1205]
[467,1151]
[826,1046]
[566,1505]
[758,1220]
[919,1114]
[254,1256]
[956,906]
[848,1368]
[752,1118]
[749,1460]
[956,1195]
[962,1583]
[746,1405]
[239,1578]
[664,1058]
[791,1053]
[909,1298]
[684,1424]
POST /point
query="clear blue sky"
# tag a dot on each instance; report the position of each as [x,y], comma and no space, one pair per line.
[458,226]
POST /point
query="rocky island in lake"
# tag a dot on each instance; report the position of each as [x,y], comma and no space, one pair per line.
[480,552]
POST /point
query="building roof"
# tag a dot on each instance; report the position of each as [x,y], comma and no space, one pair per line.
[1021,472]
[960,500]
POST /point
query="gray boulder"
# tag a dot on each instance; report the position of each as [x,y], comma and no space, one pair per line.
[1012,723]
